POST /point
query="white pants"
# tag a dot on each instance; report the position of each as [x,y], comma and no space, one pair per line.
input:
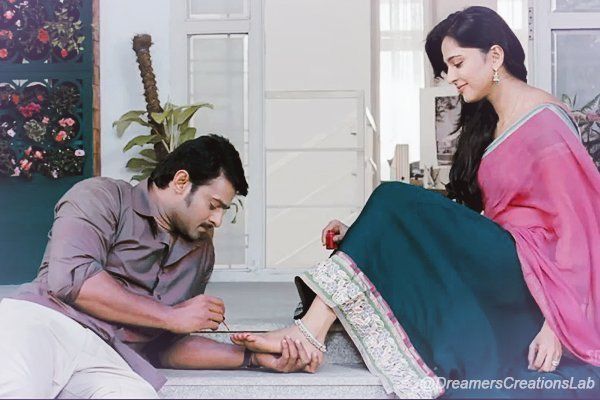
[45,354]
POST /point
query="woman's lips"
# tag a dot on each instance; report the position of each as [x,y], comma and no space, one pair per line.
[461,88]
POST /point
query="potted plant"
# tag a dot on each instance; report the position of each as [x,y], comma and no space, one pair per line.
[175,122]
[588,119]
[169,125]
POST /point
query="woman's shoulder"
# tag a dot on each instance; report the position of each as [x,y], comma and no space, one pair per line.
[543,101]
[538,98]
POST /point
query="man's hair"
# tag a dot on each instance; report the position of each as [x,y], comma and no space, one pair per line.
[204,158]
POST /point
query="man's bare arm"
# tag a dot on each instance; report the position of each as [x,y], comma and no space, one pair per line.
[103,297]
[197,352]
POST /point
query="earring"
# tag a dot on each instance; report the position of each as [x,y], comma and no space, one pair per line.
[496,77]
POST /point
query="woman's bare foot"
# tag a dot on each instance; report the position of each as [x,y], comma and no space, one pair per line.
[270,342]
[317,321]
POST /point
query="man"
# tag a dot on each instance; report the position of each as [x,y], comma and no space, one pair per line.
[121,282]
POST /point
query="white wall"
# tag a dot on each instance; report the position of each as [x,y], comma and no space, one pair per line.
[121,87]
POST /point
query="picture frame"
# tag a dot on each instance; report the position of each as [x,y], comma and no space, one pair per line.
[440,109]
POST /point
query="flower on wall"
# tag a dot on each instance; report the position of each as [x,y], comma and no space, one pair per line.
[39,128]
[44,31]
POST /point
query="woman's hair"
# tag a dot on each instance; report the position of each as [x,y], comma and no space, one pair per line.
[204,158]
[481,28]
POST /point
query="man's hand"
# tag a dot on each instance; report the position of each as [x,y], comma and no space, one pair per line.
[544,349]
[196,314]
[294,357]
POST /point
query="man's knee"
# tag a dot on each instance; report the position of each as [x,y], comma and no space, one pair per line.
[26,367]
[15,385]
[126,392]
[111,387]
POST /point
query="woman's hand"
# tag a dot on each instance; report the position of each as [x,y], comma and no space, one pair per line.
[545,350]
[339,228]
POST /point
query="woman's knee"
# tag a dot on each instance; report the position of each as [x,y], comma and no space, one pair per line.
[395,191]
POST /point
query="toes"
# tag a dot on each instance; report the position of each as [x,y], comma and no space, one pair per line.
[239,338]
[250,337]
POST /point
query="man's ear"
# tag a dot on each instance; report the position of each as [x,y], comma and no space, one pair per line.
[497,54]
[180,180]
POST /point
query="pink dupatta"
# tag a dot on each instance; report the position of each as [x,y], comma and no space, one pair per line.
[540,184]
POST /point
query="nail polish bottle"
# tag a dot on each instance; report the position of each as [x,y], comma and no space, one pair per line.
[330,244]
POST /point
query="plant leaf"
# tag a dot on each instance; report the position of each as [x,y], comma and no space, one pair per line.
[593,106]
[567,100]
[126,119]
[122,125]
[132,114]
[159,117]
[138,178]
[140,163]
[141,140]
[146,172]
[149,153]
[186,134]
[186,113]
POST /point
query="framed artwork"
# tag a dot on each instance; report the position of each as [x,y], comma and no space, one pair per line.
[440,110]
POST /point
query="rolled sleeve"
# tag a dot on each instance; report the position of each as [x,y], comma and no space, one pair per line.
[81,236]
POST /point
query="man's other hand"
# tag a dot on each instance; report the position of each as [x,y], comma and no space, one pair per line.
[196,314]
[293,358]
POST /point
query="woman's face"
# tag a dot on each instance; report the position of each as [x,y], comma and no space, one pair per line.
[469,69]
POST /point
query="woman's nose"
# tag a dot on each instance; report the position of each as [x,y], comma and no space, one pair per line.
[450,76]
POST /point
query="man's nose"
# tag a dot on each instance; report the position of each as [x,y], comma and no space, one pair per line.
[216,218]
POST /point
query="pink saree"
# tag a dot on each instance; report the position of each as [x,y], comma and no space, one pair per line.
[540,184]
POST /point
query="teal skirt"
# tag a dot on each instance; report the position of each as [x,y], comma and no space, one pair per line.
[433,296]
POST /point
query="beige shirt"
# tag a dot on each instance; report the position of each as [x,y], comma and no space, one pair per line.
[106,224]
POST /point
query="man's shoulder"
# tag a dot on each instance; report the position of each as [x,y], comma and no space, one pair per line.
[102,182]
[98,191]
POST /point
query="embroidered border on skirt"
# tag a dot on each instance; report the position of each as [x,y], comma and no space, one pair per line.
[382,342]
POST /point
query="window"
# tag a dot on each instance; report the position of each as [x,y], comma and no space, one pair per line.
[402,75]
[220,41]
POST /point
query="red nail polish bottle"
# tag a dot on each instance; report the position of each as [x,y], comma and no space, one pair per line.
[329,243]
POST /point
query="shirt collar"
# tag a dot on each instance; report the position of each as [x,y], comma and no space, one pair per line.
[141,200]
[146,208]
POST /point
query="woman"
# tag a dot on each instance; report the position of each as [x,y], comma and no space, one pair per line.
[429,287]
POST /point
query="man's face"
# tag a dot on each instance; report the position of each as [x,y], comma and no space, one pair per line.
[200,211]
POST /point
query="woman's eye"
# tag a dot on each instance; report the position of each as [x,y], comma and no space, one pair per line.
[458,65]
[212,206]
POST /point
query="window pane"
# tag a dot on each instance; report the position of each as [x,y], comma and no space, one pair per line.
[219,75]
[218,9]
[294,235]
[576,56]
[576,5]
[576,59]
